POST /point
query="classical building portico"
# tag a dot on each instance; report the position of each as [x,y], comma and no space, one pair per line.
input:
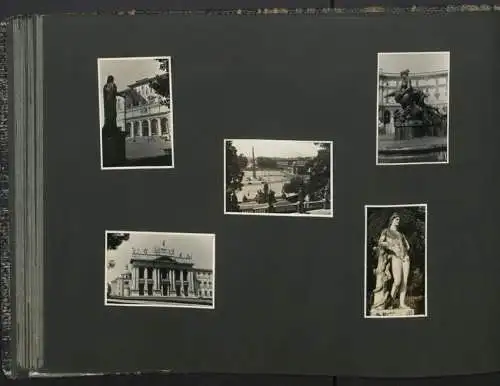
[162,277]
[159,273]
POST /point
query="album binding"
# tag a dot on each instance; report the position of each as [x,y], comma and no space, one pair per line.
[22,234]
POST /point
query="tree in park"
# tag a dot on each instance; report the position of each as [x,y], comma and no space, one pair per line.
[319,172]
[271,200]
[234,177]
[293,185]
[114,240]
[266,190]
[266,163]
[161,83]
[243,161]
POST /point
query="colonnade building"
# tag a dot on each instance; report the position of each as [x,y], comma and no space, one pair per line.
[293,166]
[142,112]
[433,84]
[161,273]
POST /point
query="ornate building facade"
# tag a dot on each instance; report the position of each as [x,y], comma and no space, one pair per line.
[433,84]
[142,112]
[160,273]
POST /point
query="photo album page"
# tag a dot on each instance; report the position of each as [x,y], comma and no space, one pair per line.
[274,194]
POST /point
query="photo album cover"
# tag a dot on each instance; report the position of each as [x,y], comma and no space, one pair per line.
[250,192]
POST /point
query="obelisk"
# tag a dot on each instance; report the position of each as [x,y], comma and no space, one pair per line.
[253,164]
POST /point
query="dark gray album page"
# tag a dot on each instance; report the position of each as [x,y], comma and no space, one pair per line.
[289,291]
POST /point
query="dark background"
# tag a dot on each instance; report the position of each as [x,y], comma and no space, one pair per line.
[289,291]
[273,380]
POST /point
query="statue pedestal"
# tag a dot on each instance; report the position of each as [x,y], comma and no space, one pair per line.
[409,130]
[113,148]
[396,312]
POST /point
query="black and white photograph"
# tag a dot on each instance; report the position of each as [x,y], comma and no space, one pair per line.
[395,261]
[156,269]
[412,108]
[278,177]
[135,113]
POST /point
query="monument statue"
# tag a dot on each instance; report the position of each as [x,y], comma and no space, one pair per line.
[110,92]
[113,138]
[414,110]
[393,262]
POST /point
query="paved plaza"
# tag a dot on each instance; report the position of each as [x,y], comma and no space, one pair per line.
[147,147]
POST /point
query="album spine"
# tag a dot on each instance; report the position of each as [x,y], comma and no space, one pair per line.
[5,258]
[22,196]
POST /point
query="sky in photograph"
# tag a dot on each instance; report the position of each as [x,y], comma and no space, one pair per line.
[200,247]
[125,72]
[276,148]
[416,63]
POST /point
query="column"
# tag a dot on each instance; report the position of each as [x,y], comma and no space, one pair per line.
[196,285]
[132,133]
[169,121]
[134,279]
[172,281]
[158,281]
[182,282]
[191,284]
[155,280]
[149,128]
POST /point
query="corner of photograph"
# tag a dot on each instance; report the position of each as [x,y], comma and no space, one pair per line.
[159,269]
[413,94]
[395,261]
[135,113]
[267,177]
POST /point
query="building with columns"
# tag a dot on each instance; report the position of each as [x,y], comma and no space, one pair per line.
[433,84]
[142,112]
[293,165]
[161,273]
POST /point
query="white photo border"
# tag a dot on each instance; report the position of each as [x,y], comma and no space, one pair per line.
[295,215]
[447,162]
[365,271]
[100,101]
[160,305]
